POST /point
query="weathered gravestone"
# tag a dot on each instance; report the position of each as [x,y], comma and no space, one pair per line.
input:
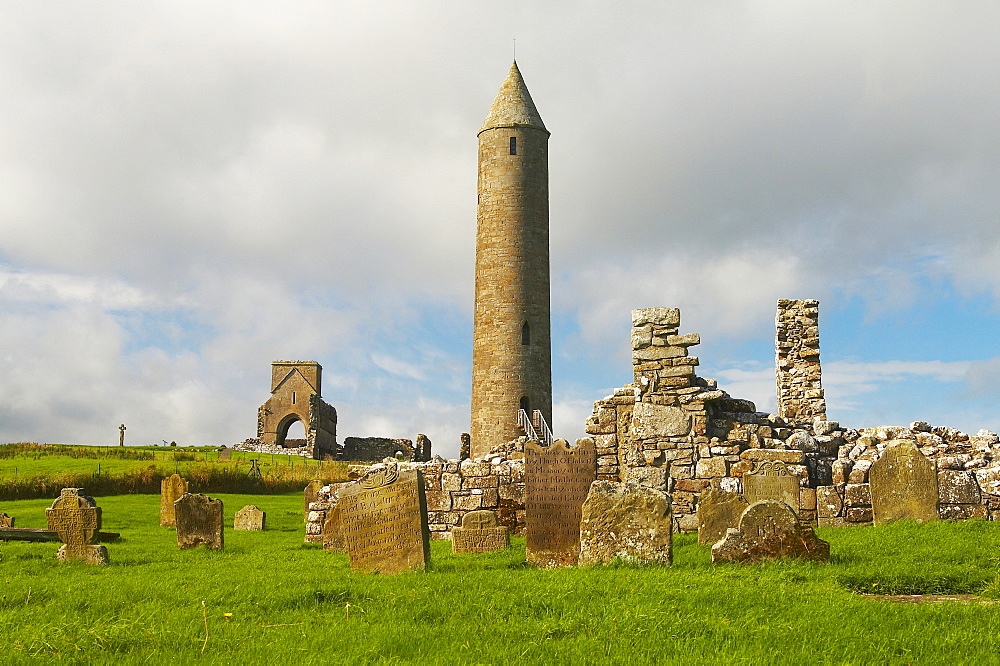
[333,534]
[383,518]
[769,530]
[309,495]
[718,510]
[6,521]
[480,533]
[771,480]
[249,518]
[199,521]
[171,488]
[628,521]
[556,482]
[903,484]
[76,518]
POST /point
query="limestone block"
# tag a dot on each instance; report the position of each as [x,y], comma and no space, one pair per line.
[857,495]
[773,455]
[859,471]
[709,467]
[962,511]
[466,502]
[802,441]
[652,477]
[651,421]
[438,500]
[828,502]
[807,499]
[688,340]
[657,316]
[858,515]
[642,336]
[451,482]
[474,468]
[958,487]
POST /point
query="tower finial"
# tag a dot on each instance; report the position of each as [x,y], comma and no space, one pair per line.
[515,49]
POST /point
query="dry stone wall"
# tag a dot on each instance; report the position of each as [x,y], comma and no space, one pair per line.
[799,377]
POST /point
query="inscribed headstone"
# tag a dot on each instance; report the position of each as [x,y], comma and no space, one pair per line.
[171,488]
[6,521]
[480,533]
[556,482]
[76,518]
[625,521]
[249,518]
[769,530]
[718,510]
[199,521]
[383,519]
[903,484]
[771,480]
[310,494]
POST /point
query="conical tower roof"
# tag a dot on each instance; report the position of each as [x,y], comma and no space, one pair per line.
[513,105]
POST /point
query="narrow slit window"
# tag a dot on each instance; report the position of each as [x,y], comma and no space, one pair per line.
[525,334]
[513,145]
[293,397]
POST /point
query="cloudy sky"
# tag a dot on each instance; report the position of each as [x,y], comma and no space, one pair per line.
[189,191]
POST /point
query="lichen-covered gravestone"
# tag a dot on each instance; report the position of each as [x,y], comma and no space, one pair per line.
[771,480]
[903,484]
[310,494]
[718,510]
[171,488]
[556,482]
[769,530]
[76,518]
[626,521]
[383,518]
[199,521]
[250,519]
[333,535]
[480,533]
[6,521]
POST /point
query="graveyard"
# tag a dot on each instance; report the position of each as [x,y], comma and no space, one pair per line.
[270,596]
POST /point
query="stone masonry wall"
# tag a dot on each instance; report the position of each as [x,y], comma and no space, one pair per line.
[797,368]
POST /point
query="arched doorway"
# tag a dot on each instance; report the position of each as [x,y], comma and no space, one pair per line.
[291,432]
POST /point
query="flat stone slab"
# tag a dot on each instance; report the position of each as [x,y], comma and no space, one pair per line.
[383,518]
[480,532]
[199,521]
[769,530]
[557,479]
[626,521]
[903,484]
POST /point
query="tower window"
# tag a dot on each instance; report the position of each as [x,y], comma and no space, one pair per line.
[525,334]
[513,145]
[293,397]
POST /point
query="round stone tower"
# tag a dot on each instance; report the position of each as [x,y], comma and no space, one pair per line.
[511,349]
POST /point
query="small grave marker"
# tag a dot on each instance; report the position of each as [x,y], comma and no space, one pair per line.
[383,519]
[250,518]
[903,484]
[771,480]
[769,530]
[171,488]
[556,482]
[76,518]
[199,521]
[6,521]
[480,532]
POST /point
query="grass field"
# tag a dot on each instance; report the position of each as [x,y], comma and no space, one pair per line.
[270,598]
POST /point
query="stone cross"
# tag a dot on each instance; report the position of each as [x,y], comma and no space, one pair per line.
[75,517]
[121,435]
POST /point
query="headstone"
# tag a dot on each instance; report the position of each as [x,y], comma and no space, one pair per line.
[626,521]
[903,484]
[76,518]
[171,488]
[310,494]
[769,530]
[718,510]
[480,532]
[250,518]
[557,479]
[6,521]
[771,480]
[333,534]
[199,521]
[383,519]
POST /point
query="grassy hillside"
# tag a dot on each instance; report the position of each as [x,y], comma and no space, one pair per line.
[270,598]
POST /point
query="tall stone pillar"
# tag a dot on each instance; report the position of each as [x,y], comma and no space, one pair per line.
[799,376]
[511,351]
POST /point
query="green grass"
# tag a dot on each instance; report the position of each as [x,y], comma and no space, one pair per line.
[289,601]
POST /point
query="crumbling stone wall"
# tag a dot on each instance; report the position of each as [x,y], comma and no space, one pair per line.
[798,373]
[453,489]
[374,449]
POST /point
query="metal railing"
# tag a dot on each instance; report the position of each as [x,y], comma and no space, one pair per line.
[542,428]
[526,425]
